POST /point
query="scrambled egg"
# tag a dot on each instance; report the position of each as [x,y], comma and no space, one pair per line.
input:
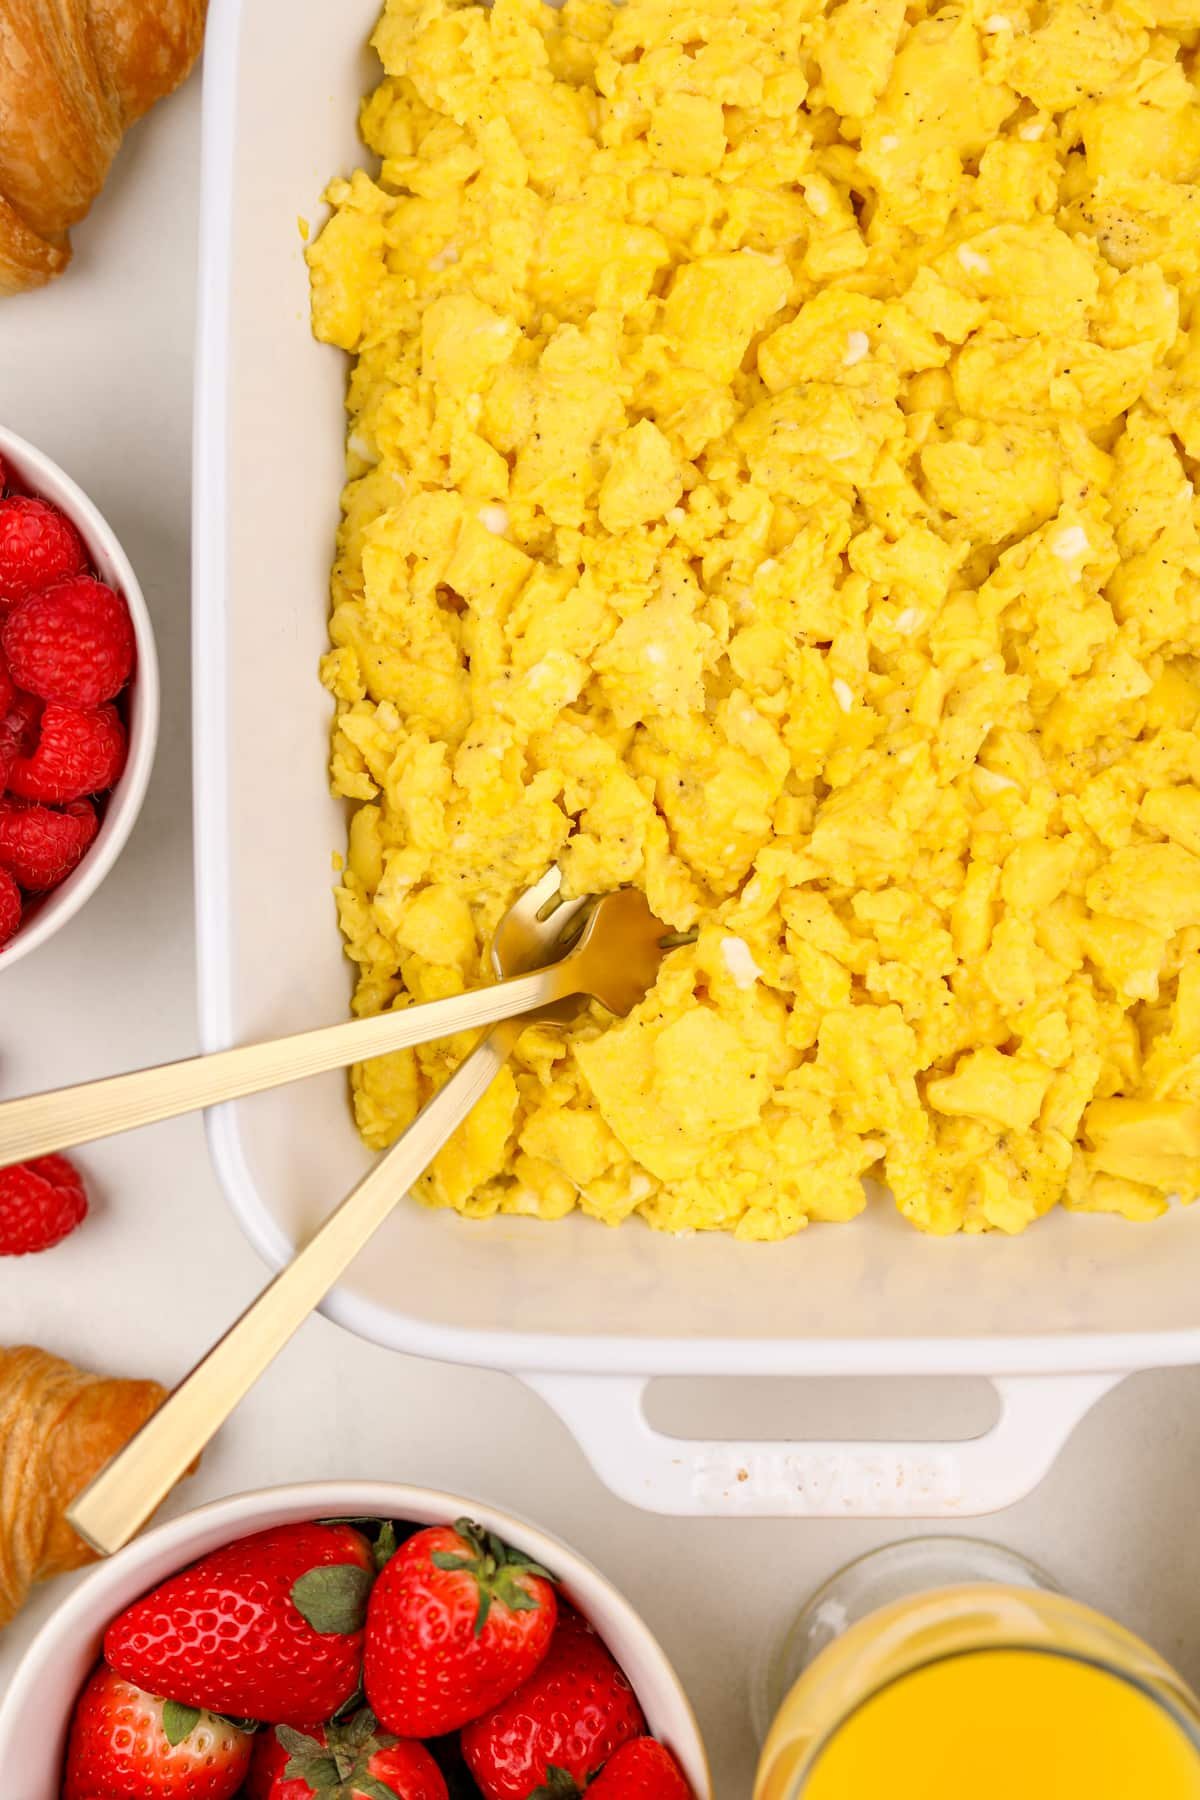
[771,453]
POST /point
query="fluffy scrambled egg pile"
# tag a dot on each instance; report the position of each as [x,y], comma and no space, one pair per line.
[771,445]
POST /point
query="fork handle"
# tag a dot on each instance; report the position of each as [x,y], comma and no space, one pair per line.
[35,1124]
[119,1500]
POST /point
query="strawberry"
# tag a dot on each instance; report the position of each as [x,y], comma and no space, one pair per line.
[39,846]
[355,1761]
[75,750]
[640,1770]
[128,1745]
[41,1202]
[10,908]
[70,641]
[269,1627]
[457,1621]
[37,545]
[553,1734]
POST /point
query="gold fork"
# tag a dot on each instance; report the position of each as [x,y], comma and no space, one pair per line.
[124,1494]
[605,960]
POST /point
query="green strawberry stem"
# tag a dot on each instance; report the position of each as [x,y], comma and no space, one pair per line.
[558,1785]
[332,1597]
[385,1545]
[338,1768]
[496,1569]
[178,1722]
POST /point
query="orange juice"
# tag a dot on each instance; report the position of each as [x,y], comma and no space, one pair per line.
[983,1691]
[1002,1723]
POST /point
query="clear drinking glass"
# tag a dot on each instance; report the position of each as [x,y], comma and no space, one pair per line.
[947,1669]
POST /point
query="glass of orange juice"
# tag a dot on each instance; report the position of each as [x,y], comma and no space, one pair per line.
[945,1669]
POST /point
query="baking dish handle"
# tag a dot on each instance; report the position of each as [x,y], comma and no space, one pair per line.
[684,1476]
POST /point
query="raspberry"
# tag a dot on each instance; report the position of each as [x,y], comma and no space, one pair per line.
[10,907]
[37,545]
[8,689]
[18,732]
[39,847]
[40,1203]
[72,641]
[79,750]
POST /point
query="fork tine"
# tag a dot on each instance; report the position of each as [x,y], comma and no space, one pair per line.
[544,895]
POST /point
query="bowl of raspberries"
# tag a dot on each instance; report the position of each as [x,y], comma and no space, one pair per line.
[349,1641]
[78,698]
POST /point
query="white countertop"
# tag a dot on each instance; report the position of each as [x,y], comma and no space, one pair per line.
[97,370]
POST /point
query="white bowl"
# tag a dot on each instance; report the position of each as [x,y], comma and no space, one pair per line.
[57,1663]
[40,476]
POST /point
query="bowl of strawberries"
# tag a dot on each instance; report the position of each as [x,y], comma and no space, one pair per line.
[78,698]
[349,1641]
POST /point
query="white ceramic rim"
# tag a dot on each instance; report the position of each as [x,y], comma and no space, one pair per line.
[81,1619]
[43,476]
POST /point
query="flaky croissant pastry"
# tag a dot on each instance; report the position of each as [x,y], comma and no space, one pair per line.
[74,75]
[58,1426]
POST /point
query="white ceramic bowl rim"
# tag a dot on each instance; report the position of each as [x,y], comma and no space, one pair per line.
[44,478]
[54,1667]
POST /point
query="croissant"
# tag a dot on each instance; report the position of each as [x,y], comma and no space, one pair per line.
[74,75]
[58,1426]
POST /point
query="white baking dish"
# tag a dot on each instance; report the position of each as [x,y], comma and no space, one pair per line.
[585,1314]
